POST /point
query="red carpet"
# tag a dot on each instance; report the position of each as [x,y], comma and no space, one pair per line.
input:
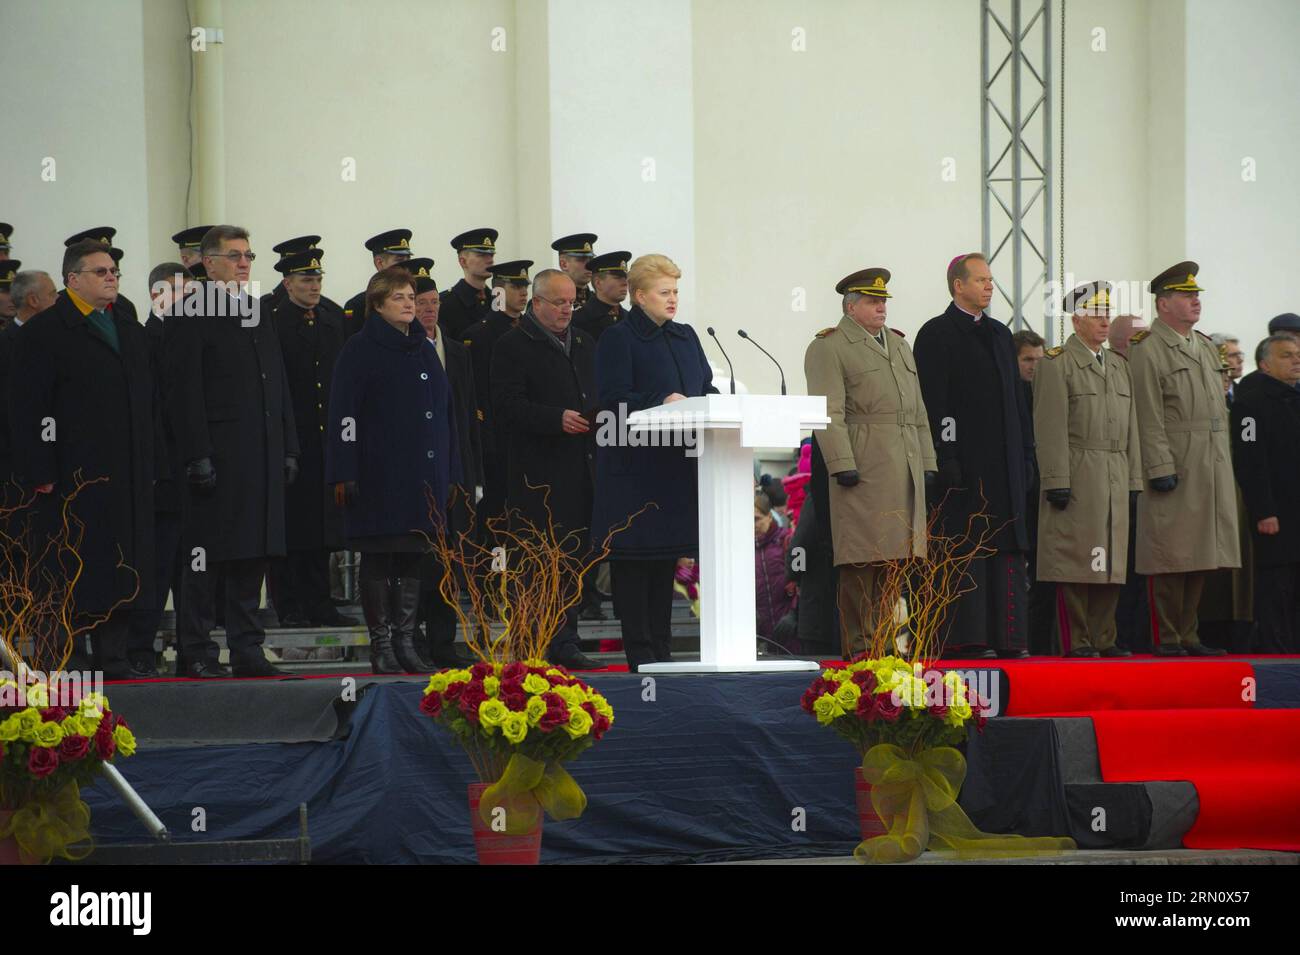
[1191,720]
[1245,765]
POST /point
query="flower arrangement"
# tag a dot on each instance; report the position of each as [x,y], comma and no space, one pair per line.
[889,700]
[519,722]
[47,752]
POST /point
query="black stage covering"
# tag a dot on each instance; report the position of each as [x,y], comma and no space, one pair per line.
[696,769]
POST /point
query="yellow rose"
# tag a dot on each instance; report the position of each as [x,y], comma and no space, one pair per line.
[38,695]
[28,720]
[93,705]
[48,735]
[10,730]
[492,713]
[125,740]
[491,685]
[534,710]
[77,726]
[579,724]
[847,695]
[536,684]
[826,708]
[437,683]
[515,727]
[603,707]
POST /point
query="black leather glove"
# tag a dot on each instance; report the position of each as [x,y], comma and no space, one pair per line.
[950,473]
[290,470]
[847,478]
[1058,497]
[1166,483]
[201,475]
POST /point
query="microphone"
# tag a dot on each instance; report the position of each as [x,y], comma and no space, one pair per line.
[741,332]
[732,371]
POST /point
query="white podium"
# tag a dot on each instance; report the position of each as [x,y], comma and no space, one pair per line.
[728,428]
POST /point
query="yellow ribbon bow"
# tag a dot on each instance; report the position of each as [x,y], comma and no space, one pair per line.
[917,800]
[527,787]
[49,826]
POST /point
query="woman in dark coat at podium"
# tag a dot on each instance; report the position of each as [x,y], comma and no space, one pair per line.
[392,443]
[642,362]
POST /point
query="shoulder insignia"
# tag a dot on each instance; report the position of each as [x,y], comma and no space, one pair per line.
[898,333]
[1054,351]
[1139,336]
[347,312]
[479,412]
[824,332]
[467,342]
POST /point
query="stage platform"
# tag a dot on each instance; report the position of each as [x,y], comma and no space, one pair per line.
[718,768]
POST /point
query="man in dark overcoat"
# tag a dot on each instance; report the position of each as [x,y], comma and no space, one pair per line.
[232,414]
[311,335]
[81,409]
[1266,456]
[984,441]
[543,390]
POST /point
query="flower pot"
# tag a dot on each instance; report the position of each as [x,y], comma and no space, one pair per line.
[870,823]
[9,854]
[499,848]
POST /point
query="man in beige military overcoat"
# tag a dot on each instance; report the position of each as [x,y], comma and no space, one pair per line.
[878,450]
[1187,518]
[1086,432]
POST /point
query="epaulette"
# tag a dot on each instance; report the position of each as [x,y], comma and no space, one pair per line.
[898,333]
[1054,351]
[347,312]
[824,332]
[1139,336]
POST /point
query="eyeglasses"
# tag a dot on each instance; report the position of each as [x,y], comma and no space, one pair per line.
[103,271]
[235,256]
[560,303]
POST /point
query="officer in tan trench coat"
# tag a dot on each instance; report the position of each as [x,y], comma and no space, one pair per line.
[1086,431]
[1187,519]
[878,450]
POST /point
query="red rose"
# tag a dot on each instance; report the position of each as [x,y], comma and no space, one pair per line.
[517,700]
[807,700]
[887,708]
[42,761]
[557,679]
[53,714]
[480,671]
[431,705]
[454,691]
[938,711]
[470,699]
[74,747]
[867,708]
[105,743]
[865,679]
[553,719]
[514,673]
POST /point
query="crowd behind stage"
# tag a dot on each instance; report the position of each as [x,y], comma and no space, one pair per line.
[1134,490]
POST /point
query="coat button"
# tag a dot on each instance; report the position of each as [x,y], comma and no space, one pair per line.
[424,376]
[428,414]
[264,376]
[430,455]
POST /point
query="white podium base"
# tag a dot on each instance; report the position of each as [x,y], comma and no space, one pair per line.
[755,666]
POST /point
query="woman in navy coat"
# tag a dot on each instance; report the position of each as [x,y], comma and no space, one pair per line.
[392,445]
[644,361]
